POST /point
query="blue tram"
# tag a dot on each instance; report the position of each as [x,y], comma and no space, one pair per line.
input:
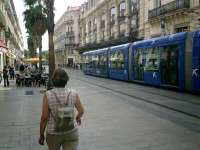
[171,61]
[96,62]
[118,61]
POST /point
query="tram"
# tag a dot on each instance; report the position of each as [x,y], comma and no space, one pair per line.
[171,61]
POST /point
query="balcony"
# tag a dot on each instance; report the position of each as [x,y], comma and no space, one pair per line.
[121,18]
[70,34]
[69,22]
[112,22]
[168,8]
[102,25]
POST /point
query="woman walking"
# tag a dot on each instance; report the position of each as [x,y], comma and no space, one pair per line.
[58,115]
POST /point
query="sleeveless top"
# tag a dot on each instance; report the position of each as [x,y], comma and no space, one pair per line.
[62,94]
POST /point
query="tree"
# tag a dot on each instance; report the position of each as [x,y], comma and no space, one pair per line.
[35,23]
[50,26]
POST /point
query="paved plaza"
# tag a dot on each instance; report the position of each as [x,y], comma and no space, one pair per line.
[112,121]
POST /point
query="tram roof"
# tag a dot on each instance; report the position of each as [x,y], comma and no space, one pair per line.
[96,51]
[123,45]
[160,40]
[197,33]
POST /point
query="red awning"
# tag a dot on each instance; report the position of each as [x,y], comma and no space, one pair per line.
[3,47]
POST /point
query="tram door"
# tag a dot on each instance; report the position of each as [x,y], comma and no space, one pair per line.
[139,61]
[169,69]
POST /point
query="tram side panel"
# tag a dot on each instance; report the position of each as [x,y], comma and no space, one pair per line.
[101,67]
[118,62]
[195,72]
[159,61]
[188,62]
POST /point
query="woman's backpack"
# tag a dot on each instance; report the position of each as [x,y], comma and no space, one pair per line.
[64,116]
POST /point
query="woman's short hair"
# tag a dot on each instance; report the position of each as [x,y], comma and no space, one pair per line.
[60,78]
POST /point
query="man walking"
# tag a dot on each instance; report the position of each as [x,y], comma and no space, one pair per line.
[5,76]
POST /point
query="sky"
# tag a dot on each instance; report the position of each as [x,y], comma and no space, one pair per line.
[60,7]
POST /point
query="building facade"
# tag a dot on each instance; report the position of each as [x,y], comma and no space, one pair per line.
[105,20]
[11,43]
[164,17]
[66,38]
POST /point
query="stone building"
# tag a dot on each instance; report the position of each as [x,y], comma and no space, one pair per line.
[11,44]
[164,17]
[66,38]
[105,20]
[108,20]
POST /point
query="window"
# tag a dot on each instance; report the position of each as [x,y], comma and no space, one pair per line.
[95,24]
[102,61]
[117,60]
[88,61]
[122,8]
[152,59]
[89,27]
[169,65]
[134,6]
[112,14]
[181,29]
[94,61]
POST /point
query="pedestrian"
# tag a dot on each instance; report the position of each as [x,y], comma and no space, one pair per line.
[62,131]
[11,72]
[0,77]
[5,76]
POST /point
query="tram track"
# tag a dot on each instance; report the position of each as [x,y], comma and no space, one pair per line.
[159,94]
[196,116]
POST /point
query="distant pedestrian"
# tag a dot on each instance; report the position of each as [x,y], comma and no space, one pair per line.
[58,115]
[0,77]
[5,76]
[12,73]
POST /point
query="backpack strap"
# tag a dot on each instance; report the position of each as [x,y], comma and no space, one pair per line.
[59,102]
[57,99]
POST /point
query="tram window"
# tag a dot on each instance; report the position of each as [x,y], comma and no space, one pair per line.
[152,59]
[117,60]
[102,61]
[139,63]
[169,65]
[94,61]
[89,61]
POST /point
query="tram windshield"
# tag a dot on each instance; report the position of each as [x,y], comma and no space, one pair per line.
[117,60]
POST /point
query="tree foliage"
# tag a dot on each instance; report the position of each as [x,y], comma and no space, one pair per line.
[35,19]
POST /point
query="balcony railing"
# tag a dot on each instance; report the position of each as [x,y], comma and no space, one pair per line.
[121,18]
[112,22]
[69,34]
[170,7]
[70,21]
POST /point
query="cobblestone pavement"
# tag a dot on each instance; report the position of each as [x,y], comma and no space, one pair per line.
[110,121]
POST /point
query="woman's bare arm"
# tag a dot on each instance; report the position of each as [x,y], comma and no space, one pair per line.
[80,109]
[44,119]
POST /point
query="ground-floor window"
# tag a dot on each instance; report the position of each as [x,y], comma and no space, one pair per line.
[181,29]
